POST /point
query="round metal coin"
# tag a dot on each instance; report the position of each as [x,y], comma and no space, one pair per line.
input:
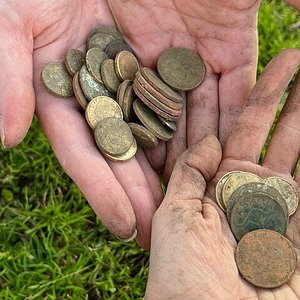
[94,59]
[113,31]
[143,136]
[74,60]
[127,103]
[114,48]
[100,40]
[169,124]
[109,75]
[81,99]
[121,91]
[126,65]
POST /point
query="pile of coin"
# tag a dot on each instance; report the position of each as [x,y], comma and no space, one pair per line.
[258,212]
[142,105]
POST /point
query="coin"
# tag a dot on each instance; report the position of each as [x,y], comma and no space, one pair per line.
[289,193]
[151,121]
[57,80]
[74,60]
[257,211]
[265,258]
[152,78]
[110,30]
[100,40]
[114,48]
[121,91]
[127,103]
[90,87]
[126,65]
[181,68]
[234,181]
[143,136]
[81,99]
[169,124]
[101,108]
[109,75]
[113,136]
[94,59]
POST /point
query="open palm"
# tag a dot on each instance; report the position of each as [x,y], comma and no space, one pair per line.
[193,257]
[35,32]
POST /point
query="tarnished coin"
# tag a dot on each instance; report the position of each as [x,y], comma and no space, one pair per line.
[127,103]
[156,109]
[234,181]
[153,78]
[90,86]
[257,211]
[181,68]
[74,60]
[94,59]
[151,121]
[57,80]
[114,48]
[169,124]
[289,193]
[126,65]
[143,136]
[126,156]
[100,40]
[101,108]
[265,258]
[113,31]
[121,91]
[81,99]
[109,75]
[113,136]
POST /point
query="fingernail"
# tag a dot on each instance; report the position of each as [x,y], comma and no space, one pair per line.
[131,238]
[2,134]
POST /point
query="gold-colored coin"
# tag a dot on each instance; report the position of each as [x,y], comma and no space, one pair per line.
[94,59]
[110,30]
[234,181]
[109,76]
[101,108]
[151,121]
[81,99]
[121,91]
[57,80]
[113,136]
[74,60]
[100,40]
[288,192]
[127,103]
[143,136]
[126,65]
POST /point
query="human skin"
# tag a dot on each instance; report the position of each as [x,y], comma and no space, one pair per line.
[192,248]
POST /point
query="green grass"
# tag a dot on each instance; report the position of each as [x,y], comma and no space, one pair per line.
[51,244]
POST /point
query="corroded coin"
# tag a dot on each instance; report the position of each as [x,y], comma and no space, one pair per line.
[169,124]
[81,99]
[288,192]
[109,75]
[90,86]
[113,136]
[152,78]
[101,108]
[234,181]
[126,65]
[113,31]
[143,136]
[121,91]
[181,68]
[74,60]
[100,40]
[57,80]
[151,121]
[127,103]
[265,258]
[94,59]
[114,48]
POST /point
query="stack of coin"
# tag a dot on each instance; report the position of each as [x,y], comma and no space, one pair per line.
[258,208]
[150,102]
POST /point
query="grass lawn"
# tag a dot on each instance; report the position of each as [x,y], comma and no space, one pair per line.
[51,244]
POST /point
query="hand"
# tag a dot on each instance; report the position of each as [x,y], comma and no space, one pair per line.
[192,249]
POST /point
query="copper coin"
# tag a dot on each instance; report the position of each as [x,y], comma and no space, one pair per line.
[94,59]
[152,78]
[100,40]
[90,86]
[114,48]
[156,95]
[126,65]
[110,30]
[181,68]
[109,75]
[74,60]
[121,91]
[57,80]
[265,258]
[79,95]
[143,136]
[169,124]
[157,110]
[127,103]
[150,120]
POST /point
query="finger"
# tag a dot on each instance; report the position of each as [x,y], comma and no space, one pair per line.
[284,148]
[202,110]
[234,88]
[195,167]
[157,156]
[17,100]
[252,127]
